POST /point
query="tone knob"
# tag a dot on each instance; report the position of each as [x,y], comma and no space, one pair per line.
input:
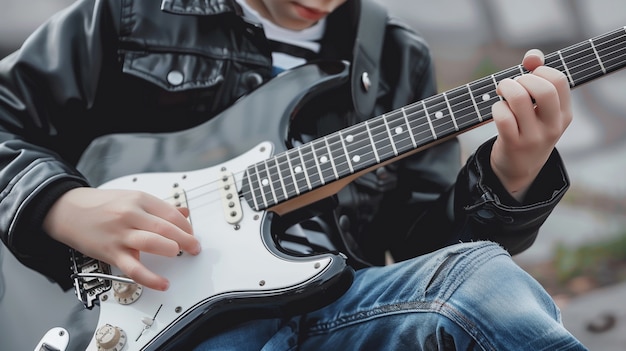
[126,293]
[110,338]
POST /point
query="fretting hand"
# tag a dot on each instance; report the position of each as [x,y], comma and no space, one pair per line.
[533,116]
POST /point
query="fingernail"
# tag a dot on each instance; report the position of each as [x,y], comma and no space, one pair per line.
[197,249]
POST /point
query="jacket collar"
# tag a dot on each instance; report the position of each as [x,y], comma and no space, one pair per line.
[200,7]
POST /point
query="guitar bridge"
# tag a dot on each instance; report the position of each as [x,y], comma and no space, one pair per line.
[88,287]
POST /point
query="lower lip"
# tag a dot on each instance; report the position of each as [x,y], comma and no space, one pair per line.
[309,14]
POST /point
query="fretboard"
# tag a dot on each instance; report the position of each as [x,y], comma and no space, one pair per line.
[394,134]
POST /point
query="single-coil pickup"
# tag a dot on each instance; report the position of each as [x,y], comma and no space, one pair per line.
[230,199]
[179,198]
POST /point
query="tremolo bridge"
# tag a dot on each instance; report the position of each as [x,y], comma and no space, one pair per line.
[91,278]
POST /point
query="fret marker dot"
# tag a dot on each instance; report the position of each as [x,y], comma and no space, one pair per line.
[486,97]
[323,159]
[438,114]
[350,138]
[298,169]
[356,158]
[265,182]
[398,130]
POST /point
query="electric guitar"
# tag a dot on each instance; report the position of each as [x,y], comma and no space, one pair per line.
[247,176]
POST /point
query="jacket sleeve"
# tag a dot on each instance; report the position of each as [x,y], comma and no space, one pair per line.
[485,210]
[49,78]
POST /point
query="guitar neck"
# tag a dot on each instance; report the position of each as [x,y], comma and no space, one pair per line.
[414,127]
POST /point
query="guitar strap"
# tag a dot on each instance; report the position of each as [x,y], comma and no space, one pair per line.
[366,56]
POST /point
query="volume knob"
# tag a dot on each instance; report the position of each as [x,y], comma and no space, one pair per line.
[110,338]
[126,293]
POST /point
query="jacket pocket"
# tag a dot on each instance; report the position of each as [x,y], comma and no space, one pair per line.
[175,71]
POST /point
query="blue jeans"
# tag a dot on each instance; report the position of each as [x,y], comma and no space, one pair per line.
[464,297]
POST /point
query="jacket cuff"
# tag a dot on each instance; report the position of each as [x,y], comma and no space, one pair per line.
[34,247]
[494,214]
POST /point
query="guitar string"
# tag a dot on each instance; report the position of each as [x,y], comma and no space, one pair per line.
[442,103]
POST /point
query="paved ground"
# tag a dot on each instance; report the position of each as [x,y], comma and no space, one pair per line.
[598,318]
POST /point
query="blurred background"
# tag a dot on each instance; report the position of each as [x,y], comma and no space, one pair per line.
[580,255]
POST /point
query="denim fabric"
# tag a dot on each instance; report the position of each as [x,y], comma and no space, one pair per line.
[464,297]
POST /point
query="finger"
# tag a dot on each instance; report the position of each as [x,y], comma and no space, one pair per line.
[168,212]
[169,232]
[506,123]
[520,103]
[150,242]
[560,82]
[134,269]
[171,223]
[184,211]
[533,59]
[545,96]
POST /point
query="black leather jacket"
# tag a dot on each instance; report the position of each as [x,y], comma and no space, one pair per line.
[112,66]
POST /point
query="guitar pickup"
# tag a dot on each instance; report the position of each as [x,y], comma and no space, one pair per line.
[230,200]
[179,198]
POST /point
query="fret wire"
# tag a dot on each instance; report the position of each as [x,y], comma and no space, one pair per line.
[332,159]
[312,166]
[291,181]
[408,126]
[430,123]
[597,56]
[265,183]
[398,128]
[269,178]
[610,49]
[495,85]
[345,150]
[324,160]
[469,89]
[418,122]
[361,150]
[340,156]
[393,145]
[299,170]
[441,123]
[304,168]
[569,76]
[382,143]
[280,176]
[369,133]
[293,175]
[445,96]
[462,107]
[317,164]
[260,184]
[252,187]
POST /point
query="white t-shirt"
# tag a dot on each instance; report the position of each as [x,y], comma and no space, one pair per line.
[307,38]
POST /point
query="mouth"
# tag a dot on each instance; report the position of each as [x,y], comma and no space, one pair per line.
[309,13]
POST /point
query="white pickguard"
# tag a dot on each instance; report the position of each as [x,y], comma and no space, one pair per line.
[234,258]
